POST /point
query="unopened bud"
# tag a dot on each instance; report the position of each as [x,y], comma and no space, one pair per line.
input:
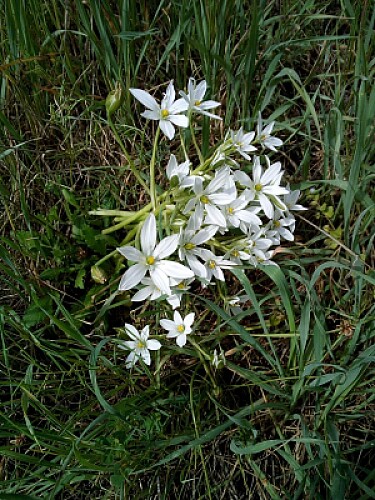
[98,275]
[114,99]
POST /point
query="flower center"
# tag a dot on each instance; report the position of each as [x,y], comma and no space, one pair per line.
[141,344]
[189,246]
[181,286]
[263,137]
[150,260]
[212,264]
[258,187]
[164,113]
[230,210]
[197,103]
[180,328]
[205,200]
[276,223]
[235,253]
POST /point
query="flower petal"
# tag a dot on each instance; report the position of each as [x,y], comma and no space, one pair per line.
[175,270]
[160,279]
[131,253]
[148,235]
[167,128]
[166,247]
[145,98]
[132,277]
[132,331]
[179,120]
[153,345]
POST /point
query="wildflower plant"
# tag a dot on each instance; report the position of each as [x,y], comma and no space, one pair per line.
[227,210]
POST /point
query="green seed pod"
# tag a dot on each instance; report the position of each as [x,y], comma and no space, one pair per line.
[98,275]
[114,99]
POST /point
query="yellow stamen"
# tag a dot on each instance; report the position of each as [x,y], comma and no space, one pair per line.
[189,246]
[230,210]
[141,344]
[180,328]
[276,223]
[150,260]
[181,286]
[212,264]
[164,113]
[197,103]
[235,253]
[205,200]
[258,187]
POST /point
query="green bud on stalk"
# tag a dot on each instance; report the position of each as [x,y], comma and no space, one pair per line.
[114,100]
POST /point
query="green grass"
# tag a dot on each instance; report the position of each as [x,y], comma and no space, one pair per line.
[291,414]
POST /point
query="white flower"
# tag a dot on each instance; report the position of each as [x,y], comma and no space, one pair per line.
[242,142]
[178,328]
[151,259]
[257,246]
[189,248]
[178,289]
[282,226]
[181,171]
[168,113]
[207,198]
[238,216]
[140,345]
[290,199]
[194,99]
[215,265]
[264,135]
[264,187]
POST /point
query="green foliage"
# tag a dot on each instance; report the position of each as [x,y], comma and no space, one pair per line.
[290,414]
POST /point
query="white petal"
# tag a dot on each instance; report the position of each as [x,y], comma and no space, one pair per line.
[189,320]
[167,128]
[181,340]
[216,217]
[178,107]
[179,120]
[132,277]
[266,205]
[160,279]
[175,270]
[172,166]
[153,345]
[168,324]
[177,318]
[142,294]
[132,331]
[145,355]
[131,253]
[148,235]
[131,360]
[145,98]
[151,115]
[166,247]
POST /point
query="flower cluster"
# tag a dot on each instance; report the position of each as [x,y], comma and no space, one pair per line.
[229,210]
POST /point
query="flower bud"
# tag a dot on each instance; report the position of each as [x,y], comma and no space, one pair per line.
[114,100]
[98,275]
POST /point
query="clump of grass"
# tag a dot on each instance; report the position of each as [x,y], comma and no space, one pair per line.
[290,415]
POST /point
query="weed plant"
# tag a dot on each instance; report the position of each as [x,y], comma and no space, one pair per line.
[291,414]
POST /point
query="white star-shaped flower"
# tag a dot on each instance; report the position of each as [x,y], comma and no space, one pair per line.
[264,135]
[152,259]
[140,345]
[178,328]
[194,99]
[242,142]
[264,186]
[168,112]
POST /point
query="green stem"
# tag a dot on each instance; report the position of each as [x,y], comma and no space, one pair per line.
[129,160]
[152,172]
[201,159]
